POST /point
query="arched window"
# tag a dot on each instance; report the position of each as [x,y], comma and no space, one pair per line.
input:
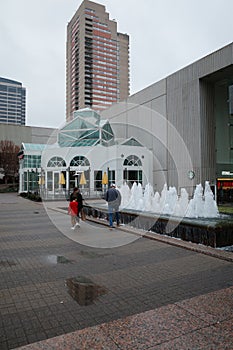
[79,161]
[132,160]
[56,162]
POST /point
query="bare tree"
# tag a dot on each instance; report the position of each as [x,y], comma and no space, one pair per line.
[9,160]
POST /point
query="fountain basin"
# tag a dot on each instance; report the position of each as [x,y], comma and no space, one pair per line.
[213,232]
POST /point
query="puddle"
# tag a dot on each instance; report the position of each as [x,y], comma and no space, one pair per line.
[7,263]
[92,254]
[58,259]
[83,290]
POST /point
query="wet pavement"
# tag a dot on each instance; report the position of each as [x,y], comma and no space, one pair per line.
[142,291]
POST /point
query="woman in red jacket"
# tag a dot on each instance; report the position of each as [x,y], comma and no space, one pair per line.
[73,212]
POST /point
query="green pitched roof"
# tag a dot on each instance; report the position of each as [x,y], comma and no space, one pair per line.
[132,142]
[33,146]
[85,130]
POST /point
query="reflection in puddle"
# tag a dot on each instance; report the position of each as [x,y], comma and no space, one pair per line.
[7,263]
[83,290]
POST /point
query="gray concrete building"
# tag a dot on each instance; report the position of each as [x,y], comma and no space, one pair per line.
[186,120]
[28,134]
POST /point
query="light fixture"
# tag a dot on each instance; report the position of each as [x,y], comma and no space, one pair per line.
[191,174]
[78,172]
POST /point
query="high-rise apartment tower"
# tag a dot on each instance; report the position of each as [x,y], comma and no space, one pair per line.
[12,102]
[97,60]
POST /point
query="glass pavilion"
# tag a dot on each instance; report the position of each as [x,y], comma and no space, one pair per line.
[86,154]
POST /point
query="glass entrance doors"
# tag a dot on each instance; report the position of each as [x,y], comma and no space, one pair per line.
[56,181]
[131,176]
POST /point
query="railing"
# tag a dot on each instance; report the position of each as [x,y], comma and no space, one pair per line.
[62,194]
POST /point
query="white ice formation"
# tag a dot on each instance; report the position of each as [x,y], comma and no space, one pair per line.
[202,205]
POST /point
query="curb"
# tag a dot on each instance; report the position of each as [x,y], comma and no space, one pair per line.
[198,248]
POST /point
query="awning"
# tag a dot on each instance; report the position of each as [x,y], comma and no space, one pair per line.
[62,179]
[105,179]
[82,179]
[41,180]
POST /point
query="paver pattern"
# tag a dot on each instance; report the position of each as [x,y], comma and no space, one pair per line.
[145,282]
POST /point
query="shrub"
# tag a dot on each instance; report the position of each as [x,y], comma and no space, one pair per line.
[32,196]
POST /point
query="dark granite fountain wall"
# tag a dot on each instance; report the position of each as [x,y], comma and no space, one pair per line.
[217,232]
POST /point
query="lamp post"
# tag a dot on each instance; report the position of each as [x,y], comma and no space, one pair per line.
[68,181]
[89,180]
[41,181]
[108,174]
[76,175]
[27,180]
[37,186]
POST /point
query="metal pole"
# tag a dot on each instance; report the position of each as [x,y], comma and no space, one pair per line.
[27,181]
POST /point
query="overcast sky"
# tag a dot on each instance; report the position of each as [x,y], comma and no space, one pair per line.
[165,36]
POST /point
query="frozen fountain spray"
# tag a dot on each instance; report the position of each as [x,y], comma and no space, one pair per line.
[202,205]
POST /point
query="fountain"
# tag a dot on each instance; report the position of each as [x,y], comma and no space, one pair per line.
[196,219]
[202,205]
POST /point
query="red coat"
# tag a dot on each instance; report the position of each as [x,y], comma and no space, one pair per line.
[73,208]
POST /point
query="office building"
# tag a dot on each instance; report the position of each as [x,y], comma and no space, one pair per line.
[12,102]
[97,60]
[186,122]
[186,119]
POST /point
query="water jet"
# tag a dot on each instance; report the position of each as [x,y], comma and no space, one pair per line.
[196,220]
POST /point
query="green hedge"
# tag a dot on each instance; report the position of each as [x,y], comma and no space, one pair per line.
[7,189]
[32,196]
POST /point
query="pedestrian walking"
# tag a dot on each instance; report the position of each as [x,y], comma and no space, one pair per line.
[73,194]
[73,212]
[76,194]
[113,197]
[80,205]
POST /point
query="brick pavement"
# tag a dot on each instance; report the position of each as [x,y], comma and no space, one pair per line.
[142,277]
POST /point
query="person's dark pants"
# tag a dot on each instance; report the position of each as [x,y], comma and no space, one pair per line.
[111,211]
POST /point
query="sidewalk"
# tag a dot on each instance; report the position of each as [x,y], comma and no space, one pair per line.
[157,295]
[191,324]
[104,240]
